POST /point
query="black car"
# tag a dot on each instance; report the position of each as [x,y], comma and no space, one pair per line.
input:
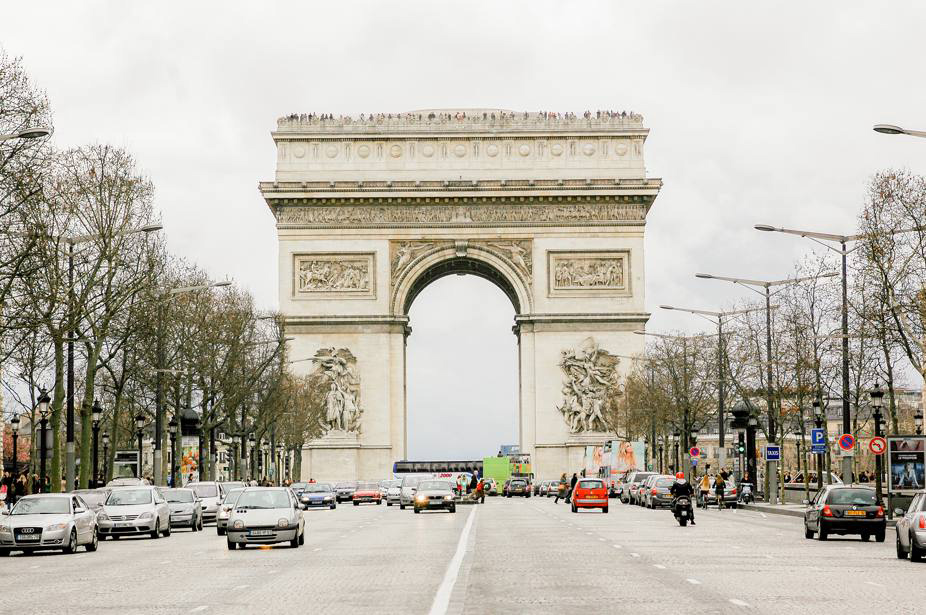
[345,491]
[844,509]
[519,487]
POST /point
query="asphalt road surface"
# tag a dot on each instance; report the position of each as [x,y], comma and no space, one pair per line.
[507,556]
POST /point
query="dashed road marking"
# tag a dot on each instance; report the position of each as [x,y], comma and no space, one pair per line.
[634,555]
[873,584]
[239,586]
[660,566]
[200,608]
[739,602]
[272,571]
[317,549]
[602,539]
[693,581]
[764,517]
[617,546]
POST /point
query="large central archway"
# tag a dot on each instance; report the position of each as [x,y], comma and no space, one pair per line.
[369,211]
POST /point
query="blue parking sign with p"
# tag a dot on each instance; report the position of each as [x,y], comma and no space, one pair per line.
[818,440]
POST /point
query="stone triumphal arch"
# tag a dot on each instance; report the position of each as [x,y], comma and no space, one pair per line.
[549,207]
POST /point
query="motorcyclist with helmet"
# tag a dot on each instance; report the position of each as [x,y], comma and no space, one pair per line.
[681,487]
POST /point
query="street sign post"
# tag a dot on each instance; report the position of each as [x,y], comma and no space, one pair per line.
[817,441]
[772,452]
[877,445]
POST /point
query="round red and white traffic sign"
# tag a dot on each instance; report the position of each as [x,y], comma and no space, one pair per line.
[846,442]
[877,445]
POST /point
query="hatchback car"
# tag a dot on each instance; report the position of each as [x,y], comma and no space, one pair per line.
[210,494]
[491,486]
[225,508]
[48,521]
[645,486]
[409,487]
[657,495]
[393,491]
[266,515]
[590,493]
[318,495]
[185,509]
[911,529]
[844,509]
[730,494]
[345,491]
[435,495]
[131,511]
[298,488]
[519,487]
[629,491]
[367,493]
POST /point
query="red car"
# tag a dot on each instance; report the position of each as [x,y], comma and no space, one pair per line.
[367,493]
[590,493]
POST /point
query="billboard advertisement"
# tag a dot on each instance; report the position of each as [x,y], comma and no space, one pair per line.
[618,457]
[906,463]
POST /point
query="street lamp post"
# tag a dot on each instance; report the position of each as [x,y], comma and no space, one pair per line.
[139,430]
[172,430]
[252,441]
[767,285]
[676,434]
[44,410]
[105,456]
[14,425]
[752,422]
[877,398]
[198,425]
[661,464]
[97,414]
[818,422]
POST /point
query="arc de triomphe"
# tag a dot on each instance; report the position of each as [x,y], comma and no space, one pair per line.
[370,210]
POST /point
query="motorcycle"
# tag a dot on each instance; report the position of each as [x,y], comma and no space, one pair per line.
[681,508]
[746,496]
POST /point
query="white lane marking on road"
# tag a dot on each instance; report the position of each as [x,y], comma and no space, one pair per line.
[198,553]
[317,549]
[602,539]
[201,607]
[634,555]
[33,567]
[767,556]
[272,571]
[588,533]
[442,597]
[739,602]
[693,581]
[763,515]
[617,546]
[239,586]
[660,566]
[872,583]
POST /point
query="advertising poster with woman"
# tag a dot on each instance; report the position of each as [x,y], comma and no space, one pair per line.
[907,463]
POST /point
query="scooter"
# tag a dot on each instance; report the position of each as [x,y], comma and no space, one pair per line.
[746,496]
[681,508]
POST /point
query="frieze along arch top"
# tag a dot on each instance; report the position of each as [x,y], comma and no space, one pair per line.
[369,210]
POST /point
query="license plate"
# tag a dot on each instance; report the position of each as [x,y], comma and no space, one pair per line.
[123,524]
[260,533]
[855,513]
[27,537]
[684,513]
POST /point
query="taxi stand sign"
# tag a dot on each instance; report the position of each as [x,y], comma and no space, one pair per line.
[772,452]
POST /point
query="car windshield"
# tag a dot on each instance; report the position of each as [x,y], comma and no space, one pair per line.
[434,485]
[518,483]
[129,497]
[260,498]
[42,506]
[665,482]
[232,496]
[639,478]
[345,486]
[232,485]
[368,487]
[318,488]
[205,490]
[178,495]
[298,486]
[852,497]
[93,498]
[590,484]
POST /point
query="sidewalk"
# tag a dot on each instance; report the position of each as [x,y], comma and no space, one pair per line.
[790,510]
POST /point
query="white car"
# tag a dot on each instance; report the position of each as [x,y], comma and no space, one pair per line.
[47,522]
[131,511]
[266,515]
[210,494]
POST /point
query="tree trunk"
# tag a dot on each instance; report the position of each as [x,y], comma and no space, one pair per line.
[55,422]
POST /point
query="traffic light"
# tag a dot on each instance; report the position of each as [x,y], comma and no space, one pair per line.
[740,448]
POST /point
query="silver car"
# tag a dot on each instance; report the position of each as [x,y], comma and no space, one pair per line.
[185,509]
[47,522]
[911,529]
[210,494]
[434,495]
[408,489]
[225,508]
[393,491]
[131,511]
[266,515]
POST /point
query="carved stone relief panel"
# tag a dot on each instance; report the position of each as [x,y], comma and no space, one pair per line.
[593,273]
[590,387]
[320,275]
[334,387]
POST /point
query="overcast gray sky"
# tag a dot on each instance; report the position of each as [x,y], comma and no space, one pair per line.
[758,114]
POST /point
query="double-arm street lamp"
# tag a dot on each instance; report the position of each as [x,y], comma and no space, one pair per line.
[159,369]
[717,319]
[767,286]
[97,414]
[890,129]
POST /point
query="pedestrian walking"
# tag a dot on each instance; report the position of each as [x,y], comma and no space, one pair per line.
[560,489]
[572,486]
[719,487]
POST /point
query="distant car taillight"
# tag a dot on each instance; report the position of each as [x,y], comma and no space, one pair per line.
[654,491]
[880,512]
[827,512]
[733,491]
[923,523]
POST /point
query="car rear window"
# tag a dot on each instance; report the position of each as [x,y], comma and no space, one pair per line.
[852,497]
[642,476]
[205,490]
[591,484]
[665,482]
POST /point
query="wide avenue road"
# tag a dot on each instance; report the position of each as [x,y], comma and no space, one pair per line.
[507,556]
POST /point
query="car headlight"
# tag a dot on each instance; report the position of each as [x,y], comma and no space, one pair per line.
[101,516]
[56,526]
[239,524]
[283,523]
[328,498]
[448,497]
[421,498]
[4,528]
[145,516]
